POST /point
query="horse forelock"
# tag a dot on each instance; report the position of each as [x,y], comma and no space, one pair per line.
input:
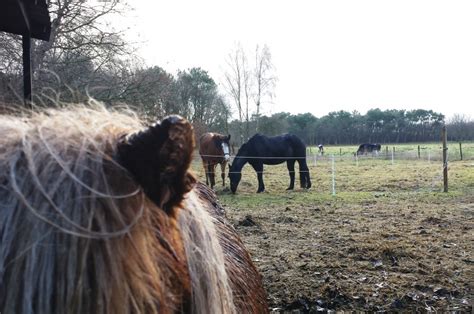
[77,233]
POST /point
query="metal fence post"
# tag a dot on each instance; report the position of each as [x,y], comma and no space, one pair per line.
[333,177]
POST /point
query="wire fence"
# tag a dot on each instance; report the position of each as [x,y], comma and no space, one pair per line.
[456,151]
[389,170]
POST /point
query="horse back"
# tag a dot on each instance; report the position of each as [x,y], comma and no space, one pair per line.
[249,295]
[368,147]
[285,146]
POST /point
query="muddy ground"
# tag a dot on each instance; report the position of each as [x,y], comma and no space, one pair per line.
[375,256]
[379,250]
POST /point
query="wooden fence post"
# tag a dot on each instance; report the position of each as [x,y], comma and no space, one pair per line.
[418,151]
[26,41]
[460,149]
[445,159]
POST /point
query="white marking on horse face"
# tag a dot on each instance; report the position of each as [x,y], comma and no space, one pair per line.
[225,149]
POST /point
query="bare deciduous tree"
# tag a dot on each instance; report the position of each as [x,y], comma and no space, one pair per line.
[81,40]
[264,77]
[234,81]
[244,82]
[460,127]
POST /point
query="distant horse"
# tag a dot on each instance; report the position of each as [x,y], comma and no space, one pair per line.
[214,149]
[260,150]
[368,148]
[96,217]
[321,149]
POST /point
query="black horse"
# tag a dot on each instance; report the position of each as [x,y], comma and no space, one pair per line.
[260,150]
[368,148]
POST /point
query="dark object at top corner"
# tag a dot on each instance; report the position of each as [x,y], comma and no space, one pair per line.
[25,17]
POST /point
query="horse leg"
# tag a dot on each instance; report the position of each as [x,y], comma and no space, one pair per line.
[213,175]
[223,164]
[211,168]
[305,180]
[290,164]
[258,167]
[205,165]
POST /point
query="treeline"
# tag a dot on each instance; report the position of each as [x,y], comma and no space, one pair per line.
[153,92]
[376,126]
[86,58]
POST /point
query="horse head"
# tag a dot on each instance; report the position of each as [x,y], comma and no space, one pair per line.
[223,143]
[88,213]
[96,217]
[234,177]
[99,218]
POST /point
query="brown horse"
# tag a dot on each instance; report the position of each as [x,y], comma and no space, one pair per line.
[214,149]
[96,217]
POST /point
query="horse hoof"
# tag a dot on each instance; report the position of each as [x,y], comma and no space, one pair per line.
[289,188]
[260,191]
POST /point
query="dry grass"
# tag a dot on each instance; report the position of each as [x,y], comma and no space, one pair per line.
[389,239]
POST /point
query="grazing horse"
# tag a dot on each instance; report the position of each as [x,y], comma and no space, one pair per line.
[260,150]
[321,149]
[214,149]
[97,216]
[366,148]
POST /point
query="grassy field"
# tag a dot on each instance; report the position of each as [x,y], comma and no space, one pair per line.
[388,239]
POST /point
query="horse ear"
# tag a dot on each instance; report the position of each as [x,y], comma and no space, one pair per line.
[159,158]
[228,138]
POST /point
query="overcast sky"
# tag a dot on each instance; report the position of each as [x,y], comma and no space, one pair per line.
[329,55]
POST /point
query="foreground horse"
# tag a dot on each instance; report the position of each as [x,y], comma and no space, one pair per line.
[97,218]
[366,148]
[214,149]
[260,150]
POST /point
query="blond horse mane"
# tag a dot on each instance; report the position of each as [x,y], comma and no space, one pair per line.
[79,235]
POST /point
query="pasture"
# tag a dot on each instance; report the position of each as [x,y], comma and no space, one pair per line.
[389,239]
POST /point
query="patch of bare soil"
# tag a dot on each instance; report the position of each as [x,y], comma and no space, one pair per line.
[384,254]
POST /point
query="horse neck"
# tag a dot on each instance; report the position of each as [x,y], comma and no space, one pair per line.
[238,162]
